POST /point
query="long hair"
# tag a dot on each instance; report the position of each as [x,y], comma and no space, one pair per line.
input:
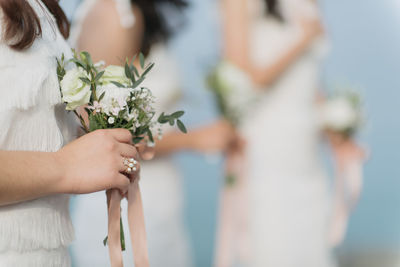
[156,26]
[22,25]
[273,9]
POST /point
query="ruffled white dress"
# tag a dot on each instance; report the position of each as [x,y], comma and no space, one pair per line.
[289,196]
[32,117]
[161,182]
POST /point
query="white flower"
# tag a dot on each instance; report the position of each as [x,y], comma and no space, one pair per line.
[111,120]
[75,92]
[232,78]
[339,114]
[115,98]
[115,74]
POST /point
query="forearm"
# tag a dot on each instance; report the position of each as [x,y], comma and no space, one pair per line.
[268,75]
[173,142]
[28,175]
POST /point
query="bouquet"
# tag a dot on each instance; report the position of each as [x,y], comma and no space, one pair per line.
[113,98]
[232,88]
[233,92]
[342,118]
[342,113]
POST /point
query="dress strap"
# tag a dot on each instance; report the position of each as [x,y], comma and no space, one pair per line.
[126,16]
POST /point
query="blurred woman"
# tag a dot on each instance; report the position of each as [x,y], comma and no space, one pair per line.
[277,42]
[112,30]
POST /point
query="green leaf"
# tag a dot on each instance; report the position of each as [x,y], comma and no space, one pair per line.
[181,126]
[148,69]
[105,241]
[134,69]
[102,96]
[141,58]
[85,56]
[171,121]
[85,80]
[99,75]
[150,135]
[162,118]
[122,235]
[178,114]
[128,73]
[118,84]
[78,63]
[138,82]
[93,123]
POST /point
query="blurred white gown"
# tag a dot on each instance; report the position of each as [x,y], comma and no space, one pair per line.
[289,198]
[161,185]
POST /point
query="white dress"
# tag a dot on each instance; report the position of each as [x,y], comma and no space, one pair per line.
[161,186]
[289,196]
[35,233]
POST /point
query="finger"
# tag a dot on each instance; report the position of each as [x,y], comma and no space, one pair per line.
[128,151]
[122,183]
[146,152]
[121,135]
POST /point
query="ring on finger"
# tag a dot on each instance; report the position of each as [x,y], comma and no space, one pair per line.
[131,165]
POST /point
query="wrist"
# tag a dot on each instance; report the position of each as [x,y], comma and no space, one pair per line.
[60,183]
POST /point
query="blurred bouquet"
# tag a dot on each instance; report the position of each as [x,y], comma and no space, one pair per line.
[233,91]
[342,114]
[112,98]
[232,88]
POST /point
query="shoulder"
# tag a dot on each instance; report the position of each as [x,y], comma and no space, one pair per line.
[110,14]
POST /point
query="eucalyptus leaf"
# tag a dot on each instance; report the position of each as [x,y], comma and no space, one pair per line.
[118,84]
[178,114]
[138,82]
[141,58]
[150,134]
[181,126]
[85,80]
[99,75]
[148,69]
[129,74]
[102,96]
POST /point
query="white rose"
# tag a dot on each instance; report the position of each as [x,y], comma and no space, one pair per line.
[115,74]
[75,92]
[339,114]
[114,97]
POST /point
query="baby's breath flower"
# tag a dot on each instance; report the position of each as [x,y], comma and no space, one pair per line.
[111,120]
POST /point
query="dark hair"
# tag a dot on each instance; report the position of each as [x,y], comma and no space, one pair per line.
[156,27]
[22,25]
[273,9]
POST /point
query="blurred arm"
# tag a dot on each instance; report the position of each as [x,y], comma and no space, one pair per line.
[237,48]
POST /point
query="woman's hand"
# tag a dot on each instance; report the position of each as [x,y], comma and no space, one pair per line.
[345,149]
[217,137]
[95,162]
